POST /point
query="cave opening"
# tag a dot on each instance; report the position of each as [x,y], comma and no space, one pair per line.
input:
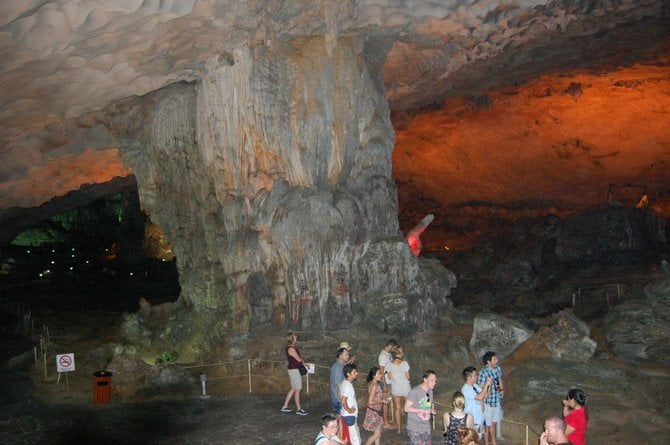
[102,256]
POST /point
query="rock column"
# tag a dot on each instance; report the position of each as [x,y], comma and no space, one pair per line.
[271,177]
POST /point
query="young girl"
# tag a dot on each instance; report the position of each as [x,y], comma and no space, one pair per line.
[468,436]
[398,371]
[576,420]
[456,419]
[373,419]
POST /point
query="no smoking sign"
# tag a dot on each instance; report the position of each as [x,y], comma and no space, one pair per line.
[65,362]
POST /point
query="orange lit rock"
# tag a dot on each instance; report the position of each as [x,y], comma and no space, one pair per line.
[562,143]
[61,176]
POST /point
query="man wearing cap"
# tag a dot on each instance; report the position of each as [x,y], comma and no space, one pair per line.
[345,345]
[336,377]
[385,358]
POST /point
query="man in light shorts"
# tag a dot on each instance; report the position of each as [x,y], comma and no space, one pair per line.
[385,358]
[474,397]
[493,402]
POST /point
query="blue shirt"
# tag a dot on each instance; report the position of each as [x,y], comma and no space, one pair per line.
[473,406]
[336,377]
[494,398]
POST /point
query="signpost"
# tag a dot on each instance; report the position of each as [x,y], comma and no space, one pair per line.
[65,363]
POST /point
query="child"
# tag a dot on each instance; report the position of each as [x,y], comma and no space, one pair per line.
[468,436]
[457,418]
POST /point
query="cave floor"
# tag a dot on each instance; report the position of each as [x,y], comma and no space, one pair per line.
[237,419]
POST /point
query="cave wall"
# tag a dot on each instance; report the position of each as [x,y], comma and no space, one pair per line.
[271,177]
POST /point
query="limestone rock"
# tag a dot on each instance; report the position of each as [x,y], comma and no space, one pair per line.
[567,338]
[274,220]
[492,332]
[133,377]
[640,329]
[387,312]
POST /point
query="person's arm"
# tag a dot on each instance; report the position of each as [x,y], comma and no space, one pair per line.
[333,386]
[569,429]
[469,421]
[445,419]
[566,408]
[345,404]
[344,400]
[484,393]
[409,408]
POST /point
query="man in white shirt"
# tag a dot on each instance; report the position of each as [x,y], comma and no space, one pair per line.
[385,358]
[349,403]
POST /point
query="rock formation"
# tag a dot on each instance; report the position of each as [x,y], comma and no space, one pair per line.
[260,138]
[271,177]
[637,329]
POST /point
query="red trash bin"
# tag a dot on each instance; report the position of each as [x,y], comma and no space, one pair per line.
[102,387]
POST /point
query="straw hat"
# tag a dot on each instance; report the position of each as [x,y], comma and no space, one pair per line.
[346,346]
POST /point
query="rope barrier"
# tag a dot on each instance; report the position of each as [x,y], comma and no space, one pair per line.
[45,341]
[359,386]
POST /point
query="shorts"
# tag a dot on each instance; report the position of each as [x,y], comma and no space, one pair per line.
[419,438]
[492,414]
[295,378]
[401,389]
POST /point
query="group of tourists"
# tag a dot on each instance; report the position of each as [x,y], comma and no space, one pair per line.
[476,409]
[390,381]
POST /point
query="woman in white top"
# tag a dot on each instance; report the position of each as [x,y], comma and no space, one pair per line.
[398,371]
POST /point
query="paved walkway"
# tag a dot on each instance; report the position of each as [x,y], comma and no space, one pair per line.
[239,419]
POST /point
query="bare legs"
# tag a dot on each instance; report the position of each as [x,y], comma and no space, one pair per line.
[295,393]
[385,408]
[398,403]
[375,438]
[490,435]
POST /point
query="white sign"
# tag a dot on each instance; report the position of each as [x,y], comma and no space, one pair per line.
[65,362]
[310,368]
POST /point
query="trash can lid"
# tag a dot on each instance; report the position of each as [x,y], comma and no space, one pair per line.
[102,373]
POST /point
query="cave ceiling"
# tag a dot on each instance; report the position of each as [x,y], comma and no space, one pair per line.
[530,104]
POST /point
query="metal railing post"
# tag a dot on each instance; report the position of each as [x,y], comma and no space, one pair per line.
[249,371]
[526,434]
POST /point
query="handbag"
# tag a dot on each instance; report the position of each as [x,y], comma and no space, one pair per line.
[377,410]
[349,420]
[303,370]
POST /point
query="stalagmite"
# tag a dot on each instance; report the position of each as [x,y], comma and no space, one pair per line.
[271,177]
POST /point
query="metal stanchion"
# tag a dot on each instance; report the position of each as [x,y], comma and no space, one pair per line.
[203,386]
